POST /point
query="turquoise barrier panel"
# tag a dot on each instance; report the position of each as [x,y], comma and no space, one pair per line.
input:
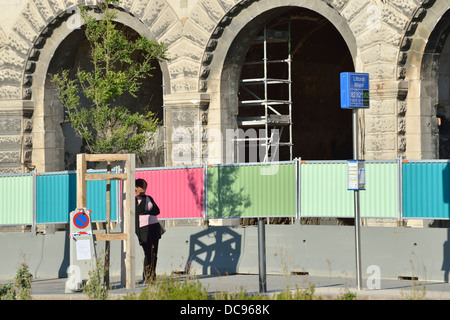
[426,189]
[56,197]
[96,199]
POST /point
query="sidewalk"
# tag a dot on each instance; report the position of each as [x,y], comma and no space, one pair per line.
[327,288]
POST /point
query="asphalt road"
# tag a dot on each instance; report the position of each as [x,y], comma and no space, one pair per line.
[325,287]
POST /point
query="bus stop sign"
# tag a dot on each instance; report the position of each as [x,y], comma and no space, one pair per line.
[355,90]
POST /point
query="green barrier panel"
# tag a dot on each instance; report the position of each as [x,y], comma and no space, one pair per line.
[16,200]
[380,199]
[323,190]
[251,191]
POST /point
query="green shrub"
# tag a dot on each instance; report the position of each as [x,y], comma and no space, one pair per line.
[298,294]
[94,287]
[23,282]
[170,288]
[7,292]
[241,295]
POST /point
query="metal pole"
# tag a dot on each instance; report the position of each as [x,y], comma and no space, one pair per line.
[262,255]
[356,204]
[357,241]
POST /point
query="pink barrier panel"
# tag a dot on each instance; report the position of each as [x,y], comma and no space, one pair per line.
[177,192]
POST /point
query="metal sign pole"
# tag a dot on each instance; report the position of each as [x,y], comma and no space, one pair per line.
[355,94]
[356,204]
[262,255]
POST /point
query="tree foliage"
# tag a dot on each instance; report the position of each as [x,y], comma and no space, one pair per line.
[104,124]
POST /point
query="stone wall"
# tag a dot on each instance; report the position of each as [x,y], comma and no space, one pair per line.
[385,38]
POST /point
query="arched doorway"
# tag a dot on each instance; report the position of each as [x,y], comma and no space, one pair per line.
[71,55]
[438,51]
[309,66]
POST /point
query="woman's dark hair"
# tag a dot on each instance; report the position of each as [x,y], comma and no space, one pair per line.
[141,183]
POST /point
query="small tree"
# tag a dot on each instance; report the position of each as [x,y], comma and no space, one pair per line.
[104,125]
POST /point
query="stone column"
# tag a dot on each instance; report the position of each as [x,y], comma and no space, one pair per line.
[15,136]
[185,119]
[384,123]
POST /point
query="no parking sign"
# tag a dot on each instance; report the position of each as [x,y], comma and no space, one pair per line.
[81,220]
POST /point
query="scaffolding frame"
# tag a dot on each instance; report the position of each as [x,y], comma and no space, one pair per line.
[272,118]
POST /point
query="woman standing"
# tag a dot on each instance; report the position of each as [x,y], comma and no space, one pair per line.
[148,229]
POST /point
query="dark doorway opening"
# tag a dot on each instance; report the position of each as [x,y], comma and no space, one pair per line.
[321,130]
[438,51]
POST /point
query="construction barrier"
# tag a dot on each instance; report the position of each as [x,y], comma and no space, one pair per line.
[395,189]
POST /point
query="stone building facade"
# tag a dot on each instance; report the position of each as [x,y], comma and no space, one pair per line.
[402,44]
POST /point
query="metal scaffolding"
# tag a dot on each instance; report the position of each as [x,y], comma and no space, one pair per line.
[259,93]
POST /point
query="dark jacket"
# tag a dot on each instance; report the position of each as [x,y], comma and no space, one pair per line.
[142,233]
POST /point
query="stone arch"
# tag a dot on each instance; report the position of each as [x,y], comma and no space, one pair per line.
[134,17]
[432,69]
[33,63]
[235,20]
[439,48]
[2,38]
[219,73]
[37,22]
[418,61]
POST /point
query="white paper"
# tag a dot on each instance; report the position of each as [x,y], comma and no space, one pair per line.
[83,249]
[352,171]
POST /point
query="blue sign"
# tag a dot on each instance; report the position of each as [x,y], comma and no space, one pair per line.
[354,90]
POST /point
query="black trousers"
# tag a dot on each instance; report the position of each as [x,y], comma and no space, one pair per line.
[150,247]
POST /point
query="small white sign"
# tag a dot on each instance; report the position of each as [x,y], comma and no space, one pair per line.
[83,249]
[356,175]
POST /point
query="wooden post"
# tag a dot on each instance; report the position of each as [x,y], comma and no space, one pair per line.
[81,180]
[129,222]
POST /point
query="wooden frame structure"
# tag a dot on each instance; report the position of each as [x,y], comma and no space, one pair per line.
[129,206]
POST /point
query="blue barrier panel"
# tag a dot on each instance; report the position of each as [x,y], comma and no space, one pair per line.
[56,197]
[426,189]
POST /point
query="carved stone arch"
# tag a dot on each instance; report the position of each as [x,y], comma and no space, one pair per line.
[37,61]
[239,15]
[55,21]
[417,70]
[226,50]
[2,38]
[186,42]
[415,35]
